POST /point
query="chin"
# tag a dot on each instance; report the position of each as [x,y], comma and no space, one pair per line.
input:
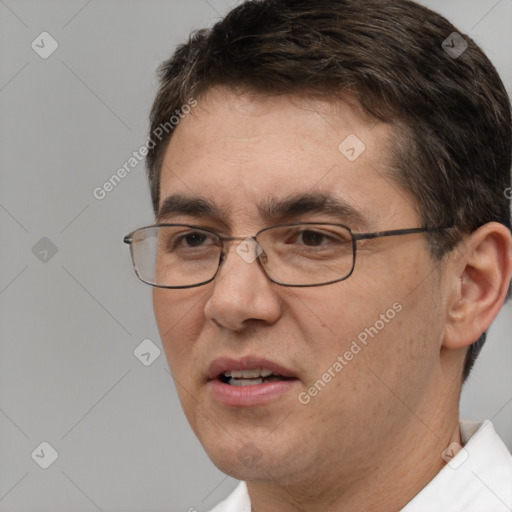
[245,460]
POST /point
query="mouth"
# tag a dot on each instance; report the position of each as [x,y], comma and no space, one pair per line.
[249,381]
[251,377]
[248,370]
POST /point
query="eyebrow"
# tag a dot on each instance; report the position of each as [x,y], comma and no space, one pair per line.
[287,208]
[271,210]
[180,204]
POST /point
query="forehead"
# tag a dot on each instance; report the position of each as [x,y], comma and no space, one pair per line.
[239,149]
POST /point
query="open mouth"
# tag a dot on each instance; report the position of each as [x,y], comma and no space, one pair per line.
[251,377]
[249,381]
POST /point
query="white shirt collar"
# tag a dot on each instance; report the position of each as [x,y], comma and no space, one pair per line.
[477,479]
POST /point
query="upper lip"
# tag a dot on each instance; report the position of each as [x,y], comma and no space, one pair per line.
[225,364]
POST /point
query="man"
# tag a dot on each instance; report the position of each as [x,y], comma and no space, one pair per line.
[332,242]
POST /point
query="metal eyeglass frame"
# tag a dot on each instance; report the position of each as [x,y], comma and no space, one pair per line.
[128,239]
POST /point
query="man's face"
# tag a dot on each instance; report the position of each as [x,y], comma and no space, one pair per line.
[237,152]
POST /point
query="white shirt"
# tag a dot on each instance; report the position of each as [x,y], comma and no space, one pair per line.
[477,479]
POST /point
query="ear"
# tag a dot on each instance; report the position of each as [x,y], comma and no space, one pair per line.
[480,277]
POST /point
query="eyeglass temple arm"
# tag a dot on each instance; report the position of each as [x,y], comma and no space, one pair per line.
[396,232]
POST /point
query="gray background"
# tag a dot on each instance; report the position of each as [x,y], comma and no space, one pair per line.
[69,325]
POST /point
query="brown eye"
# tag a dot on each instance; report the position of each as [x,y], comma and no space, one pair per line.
[193,239]
[312,238]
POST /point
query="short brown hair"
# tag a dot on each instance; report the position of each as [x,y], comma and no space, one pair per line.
[451,115]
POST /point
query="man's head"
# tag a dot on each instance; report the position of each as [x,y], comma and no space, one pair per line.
[450,117]
[364,102]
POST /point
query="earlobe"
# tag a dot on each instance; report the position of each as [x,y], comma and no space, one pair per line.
[481,273]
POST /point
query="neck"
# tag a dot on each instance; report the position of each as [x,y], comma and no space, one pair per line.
[383,483]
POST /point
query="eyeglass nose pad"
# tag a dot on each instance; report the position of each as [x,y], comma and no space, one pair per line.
[262,255]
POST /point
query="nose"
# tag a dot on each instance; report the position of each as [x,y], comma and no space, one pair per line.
[242,293]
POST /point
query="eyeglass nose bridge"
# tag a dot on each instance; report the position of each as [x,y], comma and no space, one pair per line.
[249,249]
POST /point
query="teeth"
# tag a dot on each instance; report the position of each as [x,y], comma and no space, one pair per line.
[249,374]
[245,382]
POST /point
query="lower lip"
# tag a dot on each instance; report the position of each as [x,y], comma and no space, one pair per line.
[247,396]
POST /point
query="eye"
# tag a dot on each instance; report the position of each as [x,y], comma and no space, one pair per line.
[312,238]
[187,241]
[192,239]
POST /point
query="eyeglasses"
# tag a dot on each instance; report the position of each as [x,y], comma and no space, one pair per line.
[295,254]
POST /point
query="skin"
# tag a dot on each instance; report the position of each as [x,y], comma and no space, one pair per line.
[373,437]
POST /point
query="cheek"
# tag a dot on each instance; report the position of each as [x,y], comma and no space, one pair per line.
[179,319]
[335,314]
[368,323]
